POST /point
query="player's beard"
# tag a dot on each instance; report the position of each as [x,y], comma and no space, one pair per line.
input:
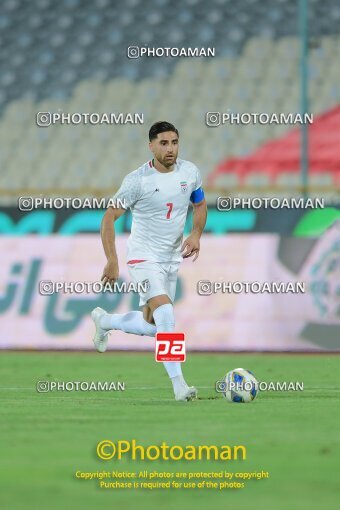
[168,162]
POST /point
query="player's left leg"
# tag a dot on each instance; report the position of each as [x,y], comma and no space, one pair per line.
[162,310]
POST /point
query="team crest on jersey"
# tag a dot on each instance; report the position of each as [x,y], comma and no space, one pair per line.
[184,186]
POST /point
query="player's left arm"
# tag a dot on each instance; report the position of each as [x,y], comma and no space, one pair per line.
[191,246]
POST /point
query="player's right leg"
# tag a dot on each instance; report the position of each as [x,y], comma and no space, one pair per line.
[130,322]
[101,335]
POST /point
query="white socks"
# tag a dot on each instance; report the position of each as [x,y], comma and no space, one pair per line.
[165,322]
[178,383]
[131,322]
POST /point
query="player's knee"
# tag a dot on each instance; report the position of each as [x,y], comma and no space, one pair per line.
[164,317]
[147,315]
[158,301]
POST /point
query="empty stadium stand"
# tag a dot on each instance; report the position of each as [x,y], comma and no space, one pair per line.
[71,56]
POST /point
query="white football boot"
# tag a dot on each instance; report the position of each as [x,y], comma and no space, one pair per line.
[102,335]
[186,393]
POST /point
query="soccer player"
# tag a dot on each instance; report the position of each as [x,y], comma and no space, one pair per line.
[158,194]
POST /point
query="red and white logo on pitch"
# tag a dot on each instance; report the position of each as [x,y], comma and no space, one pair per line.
[170,347]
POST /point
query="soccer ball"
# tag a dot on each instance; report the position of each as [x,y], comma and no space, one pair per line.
[241,386]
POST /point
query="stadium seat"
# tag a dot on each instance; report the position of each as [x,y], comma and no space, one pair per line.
[255,70]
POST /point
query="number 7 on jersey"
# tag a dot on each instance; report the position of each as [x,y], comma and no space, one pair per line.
[170,206]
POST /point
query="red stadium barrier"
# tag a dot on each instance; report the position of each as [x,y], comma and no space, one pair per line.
[283,154]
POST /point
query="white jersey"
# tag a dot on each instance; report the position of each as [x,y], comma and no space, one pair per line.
[159,204]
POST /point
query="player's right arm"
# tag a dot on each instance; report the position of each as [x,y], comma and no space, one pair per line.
[107,231]
[128,194]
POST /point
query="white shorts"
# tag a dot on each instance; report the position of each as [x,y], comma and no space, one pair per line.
[159,277]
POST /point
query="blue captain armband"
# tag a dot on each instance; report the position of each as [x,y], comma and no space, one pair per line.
[197,196]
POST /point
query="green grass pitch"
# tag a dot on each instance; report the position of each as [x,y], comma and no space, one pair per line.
[46,437]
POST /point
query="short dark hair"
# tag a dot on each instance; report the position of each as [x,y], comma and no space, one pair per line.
[161,127]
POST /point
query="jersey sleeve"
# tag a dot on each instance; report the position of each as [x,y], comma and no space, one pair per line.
[198,194]
[198,179]
[129,191]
